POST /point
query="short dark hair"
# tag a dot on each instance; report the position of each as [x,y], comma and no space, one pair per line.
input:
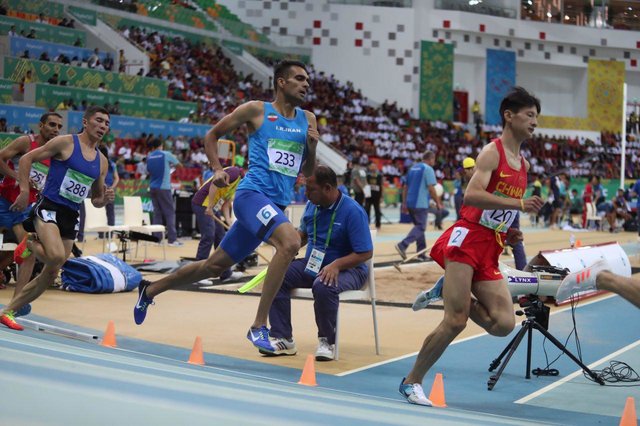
[93,110]
[428,155]
[155,143]
[516,99]
[281,70]
[44,117]
[325,176]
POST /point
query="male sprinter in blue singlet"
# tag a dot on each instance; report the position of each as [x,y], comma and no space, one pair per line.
[77,170]
[282,141]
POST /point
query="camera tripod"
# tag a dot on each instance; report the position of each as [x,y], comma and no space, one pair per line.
[537,317]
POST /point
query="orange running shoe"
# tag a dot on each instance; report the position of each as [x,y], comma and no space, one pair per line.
[9,320]
[22,251]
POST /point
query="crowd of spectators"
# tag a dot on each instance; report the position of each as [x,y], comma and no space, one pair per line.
[348,121]
[91,61]
[197,72]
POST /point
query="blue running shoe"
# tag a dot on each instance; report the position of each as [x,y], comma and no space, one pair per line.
[414,393]
[140,310]
[425,298]
[259,337]
[24,311]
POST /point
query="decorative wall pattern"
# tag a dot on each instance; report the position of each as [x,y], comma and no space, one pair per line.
[436,81]
[604,100]
[501,76]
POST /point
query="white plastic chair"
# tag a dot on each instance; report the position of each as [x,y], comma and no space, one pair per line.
[95,220]
[134,218]
[367,293]
[592,215]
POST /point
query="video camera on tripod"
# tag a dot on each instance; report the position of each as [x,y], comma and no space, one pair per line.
[540,280]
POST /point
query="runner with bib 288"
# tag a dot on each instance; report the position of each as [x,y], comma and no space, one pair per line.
[76,171]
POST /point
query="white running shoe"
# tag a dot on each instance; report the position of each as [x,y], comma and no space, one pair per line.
[235,276]
[325,351]
[282,346]
[427,297]
[583,280]
[414,393]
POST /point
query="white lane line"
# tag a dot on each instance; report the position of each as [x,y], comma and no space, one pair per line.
[377,364]
[399,358]
[545,389]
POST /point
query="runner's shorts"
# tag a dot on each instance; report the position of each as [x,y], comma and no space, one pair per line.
[9,218]
[256,219]
[472,244]
[49,212]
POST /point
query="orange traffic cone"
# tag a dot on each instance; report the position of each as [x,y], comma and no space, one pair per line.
[629,417]
[437,392]
[578,243]
[109,338]
[308,377]
[196,356]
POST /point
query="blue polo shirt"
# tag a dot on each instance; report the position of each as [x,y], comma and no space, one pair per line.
[159,168]
[108,179]
[350,233]
[636,189]
[419,178]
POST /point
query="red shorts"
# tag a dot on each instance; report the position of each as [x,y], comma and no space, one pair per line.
[472,244]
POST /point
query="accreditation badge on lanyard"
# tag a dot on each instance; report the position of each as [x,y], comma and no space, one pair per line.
[314,264]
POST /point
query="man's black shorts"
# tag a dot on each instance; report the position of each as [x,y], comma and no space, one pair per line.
[49,212]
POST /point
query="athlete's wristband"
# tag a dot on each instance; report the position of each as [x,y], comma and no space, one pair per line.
[522,204]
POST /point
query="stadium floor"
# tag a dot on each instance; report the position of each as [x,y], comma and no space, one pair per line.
[146,379]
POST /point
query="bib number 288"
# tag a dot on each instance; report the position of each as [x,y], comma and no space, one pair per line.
[76,188]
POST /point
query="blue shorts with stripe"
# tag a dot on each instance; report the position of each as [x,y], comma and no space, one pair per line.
[256,219]
[10,218]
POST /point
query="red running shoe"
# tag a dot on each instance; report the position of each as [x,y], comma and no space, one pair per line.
[9,320]
[22,251]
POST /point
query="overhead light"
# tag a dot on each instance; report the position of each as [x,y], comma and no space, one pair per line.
[530,2]
[566,17]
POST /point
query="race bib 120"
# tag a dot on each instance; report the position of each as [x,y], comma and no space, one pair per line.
[498,219]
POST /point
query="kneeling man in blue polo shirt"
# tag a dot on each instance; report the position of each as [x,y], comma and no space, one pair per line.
[336,231]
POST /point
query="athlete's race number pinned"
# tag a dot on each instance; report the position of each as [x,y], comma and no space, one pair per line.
[285,156]
[38,175]
[498,219]
[75,186]
[458,234]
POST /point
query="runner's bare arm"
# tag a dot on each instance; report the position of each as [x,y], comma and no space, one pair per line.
[249,113]
[16,147]
[59,147]
[476,193]
[312,142]
[101,196]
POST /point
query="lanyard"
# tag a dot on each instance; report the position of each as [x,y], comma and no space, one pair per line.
[333,217]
